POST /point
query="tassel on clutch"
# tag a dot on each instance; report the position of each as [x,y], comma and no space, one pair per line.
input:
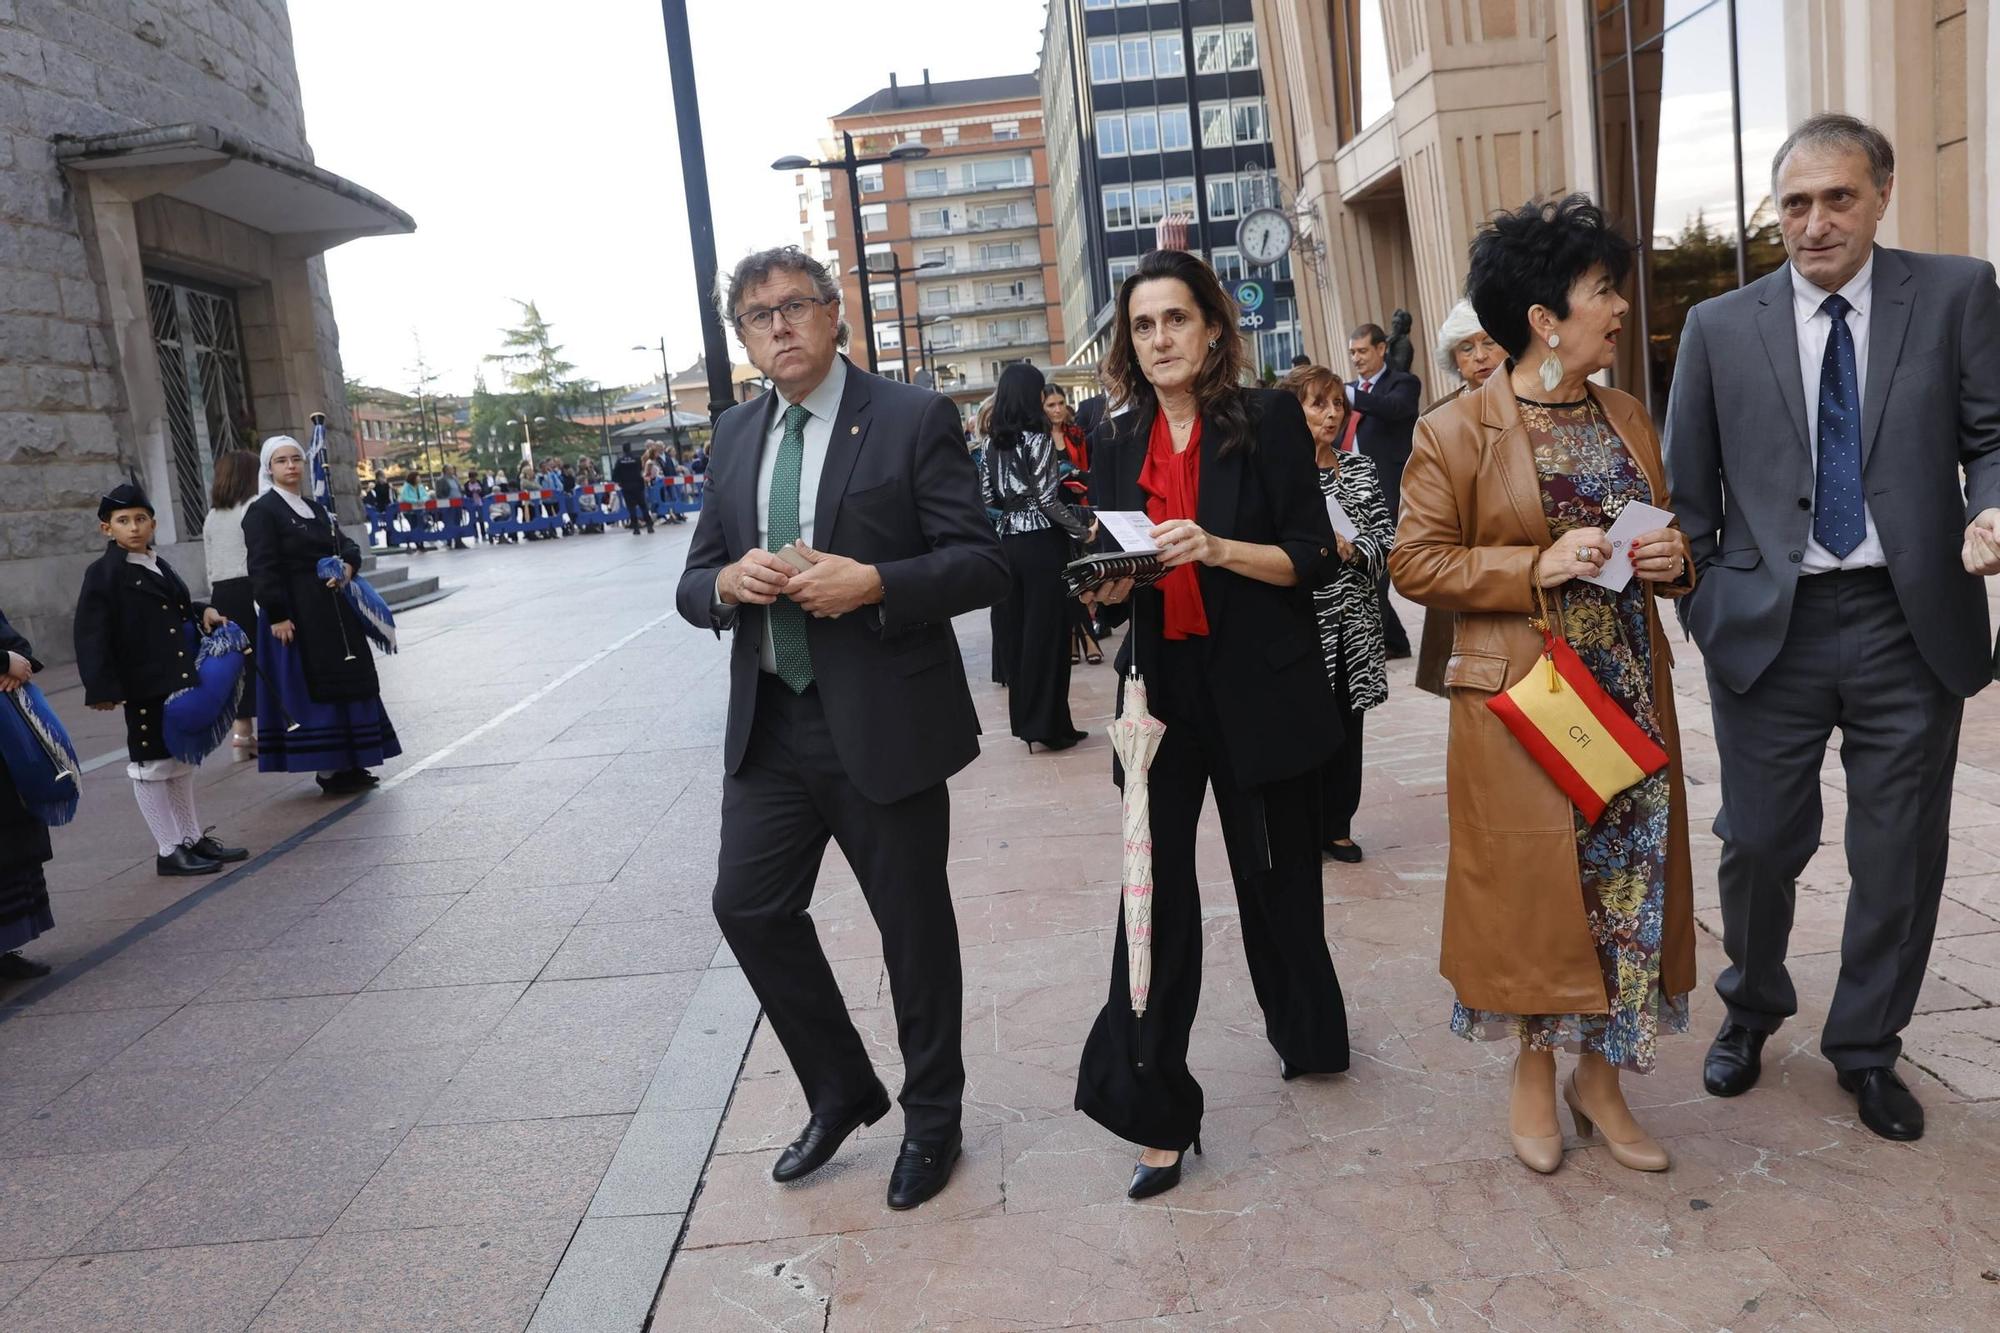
[1093,571]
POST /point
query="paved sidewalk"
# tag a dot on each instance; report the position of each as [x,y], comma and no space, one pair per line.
[1387,1197]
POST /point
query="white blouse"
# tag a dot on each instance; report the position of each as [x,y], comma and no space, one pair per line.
[222,545]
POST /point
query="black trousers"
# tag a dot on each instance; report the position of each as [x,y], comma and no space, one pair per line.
[1340,775]
[1134,1077]
[778,810]
[1848,662]
[1004,619]
[1038,673]
[636,510]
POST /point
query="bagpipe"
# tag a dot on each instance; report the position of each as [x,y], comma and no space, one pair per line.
[38,756]
[376,619]
[199,717]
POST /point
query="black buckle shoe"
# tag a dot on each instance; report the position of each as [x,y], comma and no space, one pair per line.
[1886,1104]
[183,861]
[13,967]
[820,1139]
[1735,1059]
[215,851]
[922,1169]
[1150,1180]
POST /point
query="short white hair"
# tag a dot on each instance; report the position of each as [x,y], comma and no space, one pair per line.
[1460,324]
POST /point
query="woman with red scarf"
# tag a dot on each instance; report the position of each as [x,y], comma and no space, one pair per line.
[1227,645]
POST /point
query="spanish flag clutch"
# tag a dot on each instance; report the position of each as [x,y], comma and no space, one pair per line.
[1574,730]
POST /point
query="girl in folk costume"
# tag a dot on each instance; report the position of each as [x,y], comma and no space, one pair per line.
[24,835]
[319,673]
[133,651]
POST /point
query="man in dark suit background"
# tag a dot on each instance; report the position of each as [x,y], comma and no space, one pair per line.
[1384,418]
[1819,421]
[841,531]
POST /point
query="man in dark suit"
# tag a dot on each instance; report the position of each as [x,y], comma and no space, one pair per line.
[1384,418]
[1818,425]
[841,532]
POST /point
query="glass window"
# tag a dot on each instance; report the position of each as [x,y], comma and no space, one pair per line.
[1104,60]
[1117,207]
[1142,129]
[1222,196]
[1240,41]
[940,297]
[882,298]
[1006,171]
[1110,134]
[1149,204]
[1098,4]
[1249,117]
[1174,133]
[1209,55]
[1377,100]
[1006,129]
[1121,269]
[949,134]
[1215,125]
[927,180]
[1167,55]
[1138,58]
[1282,270]
[1007,253]
[874,218]
[935,255]
[1227,263]
[871,180]
[933,219]
[1180,198]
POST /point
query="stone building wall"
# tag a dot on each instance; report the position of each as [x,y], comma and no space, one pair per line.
[67,432]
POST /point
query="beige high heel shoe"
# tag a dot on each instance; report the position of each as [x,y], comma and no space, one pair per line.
[1641,1154]
[1538,1152]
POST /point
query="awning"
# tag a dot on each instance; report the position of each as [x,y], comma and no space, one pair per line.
[311,208]
[658,428]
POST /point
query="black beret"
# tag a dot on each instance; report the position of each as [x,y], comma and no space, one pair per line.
[123,496]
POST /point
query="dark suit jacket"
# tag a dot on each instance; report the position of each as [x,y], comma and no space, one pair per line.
[1267,679]
[1388,419]
[898,492]
[131,640]
[1741,467]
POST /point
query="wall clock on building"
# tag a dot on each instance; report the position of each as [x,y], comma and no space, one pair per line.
[1264,236]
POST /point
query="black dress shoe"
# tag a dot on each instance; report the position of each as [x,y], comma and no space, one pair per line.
[13,967]
[1287,1070]
[183,861]
[1348,852]
[922,1169]
[1735,1059]
[1150,1180]
[820,1139]
[215,851]
[1887,1106]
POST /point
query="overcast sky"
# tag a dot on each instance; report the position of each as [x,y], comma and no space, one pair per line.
[534,143]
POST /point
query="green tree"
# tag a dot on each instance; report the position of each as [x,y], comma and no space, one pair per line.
[539,384]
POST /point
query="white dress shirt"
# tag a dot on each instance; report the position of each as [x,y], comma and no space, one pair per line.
[823,402]
[1814,327]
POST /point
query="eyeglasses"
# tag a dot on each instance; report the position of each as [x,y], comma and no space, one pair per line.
[795,312]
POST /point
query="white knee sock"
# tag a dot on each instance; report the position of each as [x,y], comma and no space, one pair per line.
[181,789]
[156,804]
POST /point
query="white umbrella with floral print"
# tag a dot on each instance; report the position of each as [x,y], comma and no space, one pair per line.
[1136,736]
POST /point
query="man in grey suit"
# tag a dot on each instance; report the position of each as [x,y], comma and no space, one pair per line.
[1819,423]
[841,531]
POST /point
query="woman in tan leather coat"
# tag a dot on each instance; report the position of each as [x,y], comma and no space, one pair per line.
[1560,933]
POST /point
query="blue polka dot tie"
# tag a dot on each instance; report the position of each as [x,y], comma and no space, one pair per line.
[787,621]
[1838,521]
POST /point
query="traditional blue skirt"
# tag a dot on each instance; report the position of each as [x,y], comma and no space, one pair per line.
[330,738]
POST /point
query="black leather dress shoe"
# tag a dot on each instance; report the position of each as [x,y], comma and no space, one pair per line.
[215,851]
[1349,853]
[1887,1106]
[1735,1059]
[1150,1180]
[13,967]
[182,862]
[922,1169]
[820,1139]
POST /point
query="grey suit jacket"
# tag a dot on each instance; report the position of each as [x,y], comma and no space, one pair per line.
[898,492]
[1740,464]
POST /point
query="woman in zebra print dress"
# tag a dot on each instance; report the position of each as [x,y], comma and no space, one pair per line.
[1350,614]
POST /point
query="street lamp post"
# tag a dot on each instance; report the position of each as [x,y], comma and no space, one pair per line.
[897,271]
[851,165]
[666,389]
[528,437]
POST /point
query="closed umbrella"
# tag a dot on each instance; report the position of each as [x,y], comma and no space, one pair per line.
[1136,736]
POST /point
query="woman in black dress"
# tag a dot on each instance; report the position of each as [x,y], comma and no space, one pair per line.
[1227,646]
[24,840]
[1019,478]
[319,668]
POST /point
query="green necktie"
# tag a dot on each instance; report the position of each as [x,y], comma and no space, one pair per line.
[786,621]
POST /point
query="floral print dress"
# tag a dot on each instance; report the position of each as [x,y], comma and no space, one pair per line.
[1587,477]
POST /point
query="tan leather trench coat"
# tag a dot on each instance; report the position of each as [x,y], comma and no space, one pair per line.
[1515,935]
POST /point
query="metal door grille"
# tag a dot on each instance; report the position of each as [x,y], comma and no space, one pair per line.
[200,344]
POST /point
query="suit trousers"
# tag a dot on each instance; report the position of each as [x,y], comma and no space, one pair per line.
[778,811]
[1038,674]
[1340,775]
[1134,1077]
[1395,639]
[1849,662]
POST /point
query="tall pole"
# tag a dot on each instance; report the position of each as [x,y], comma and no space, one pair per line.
[902,322]
[667,388]
[860,246]
[694,182]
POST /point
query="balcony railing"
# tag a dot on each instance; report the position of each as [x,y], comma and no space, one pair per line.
[929,190]
[990,344]
[954,268]
[975,305]
[972,226]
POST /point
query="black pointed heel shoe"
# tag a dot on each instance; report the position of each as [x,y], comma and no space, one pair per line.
[1150,1180]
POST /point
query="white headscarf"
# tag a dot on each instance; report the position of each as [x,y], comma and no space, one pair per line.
[270,451]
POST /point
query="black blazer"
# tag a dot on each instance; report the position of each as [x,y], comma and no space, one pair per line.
[898,492]
[131,630]
[284,552]
[1388,419]
[1267,680]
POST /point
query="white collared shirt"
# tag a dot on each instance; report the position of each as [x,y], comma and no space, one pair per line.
[824,403]
[1814,327]
[1366,385]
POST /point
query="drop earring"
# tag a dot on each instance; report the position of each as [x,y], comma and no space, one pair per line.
[1552,366]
